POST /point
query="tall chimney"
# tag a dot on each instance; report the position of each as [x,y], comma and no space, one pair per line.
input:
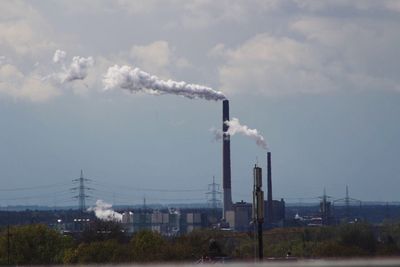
[270,211]
[226,160]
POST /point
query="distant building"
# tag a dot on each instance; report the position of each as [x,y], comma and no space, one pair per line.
[239,218]
[278,212]
[168,222]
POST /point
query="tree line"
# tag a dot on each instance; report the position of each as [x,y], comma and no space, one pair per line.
[106,243]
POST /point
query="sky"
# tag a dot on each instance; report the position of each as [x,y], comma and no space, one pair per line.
[318,79]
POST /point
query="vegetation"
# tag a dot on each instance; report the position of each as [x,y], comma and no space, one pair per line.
[104,243]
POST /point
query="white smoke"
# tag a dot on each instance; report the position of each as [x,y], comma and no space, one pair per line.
[235,127]
[59,56]
[136,80]
[104,211]
[77,69]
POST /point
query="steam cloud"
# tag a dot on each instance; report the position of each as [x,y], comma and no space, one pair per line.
[104,211]
[235,127]
[136,80]
[77,70]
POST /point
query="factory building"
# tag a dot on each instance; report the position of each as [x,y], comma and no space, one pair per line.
[169,222]
[166,223]
[240,217]
[277,213]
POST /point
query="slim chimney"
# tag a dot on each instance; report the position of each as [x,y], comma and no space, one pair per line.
[226,160]
[270,212]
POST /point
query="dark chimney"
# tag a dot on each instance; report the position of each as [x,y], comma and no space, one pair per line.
[226,160]
[270,211]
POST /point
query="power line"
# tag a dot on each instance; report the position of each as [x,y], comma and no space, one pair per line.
[141,189]
[32,187]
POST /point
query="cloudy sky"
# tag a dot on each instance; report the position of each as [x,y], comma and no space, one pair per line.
[319,79]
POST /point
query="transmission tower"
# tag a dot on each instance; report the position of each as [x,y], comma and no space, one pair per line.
[214,194]
[81,189]
[347,200]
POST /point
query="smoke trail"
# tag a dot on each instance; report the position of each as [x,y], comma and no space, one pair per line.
[137,80]
[77,70]
[104,211]
[235,127]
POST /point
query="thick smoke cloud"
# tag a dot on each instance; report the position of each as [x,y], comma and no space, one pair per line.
[235,127]
[136,80]
[104,211]
[77,69]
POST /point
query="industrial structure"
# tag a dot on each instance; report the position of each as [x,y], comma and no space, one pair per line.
[226,160]
[270,205]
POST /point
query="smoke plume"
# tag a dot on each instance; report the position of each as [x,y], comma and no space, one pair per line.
[235,127]
[77,69]
[104,211]
[136,80]
[59,56]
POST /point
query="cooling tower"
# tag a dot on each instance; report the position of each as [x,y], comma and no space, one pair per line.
[226,160]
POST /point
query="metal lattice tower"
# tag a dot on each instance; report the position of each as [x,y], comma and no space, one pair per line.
[81,189]
[347,200]
[214,194]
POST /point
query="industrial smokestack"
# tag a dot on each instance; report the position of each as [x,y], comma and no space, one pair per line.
[270,212]
[226,159]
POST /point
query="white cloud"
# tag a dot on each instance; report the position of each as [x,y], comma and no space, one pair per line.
[328,54]
[30,87]
[138,7]
[114,7]
[360,5]
[158,58]
[273,66]
[155,57]
[22,30]
[203,13]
